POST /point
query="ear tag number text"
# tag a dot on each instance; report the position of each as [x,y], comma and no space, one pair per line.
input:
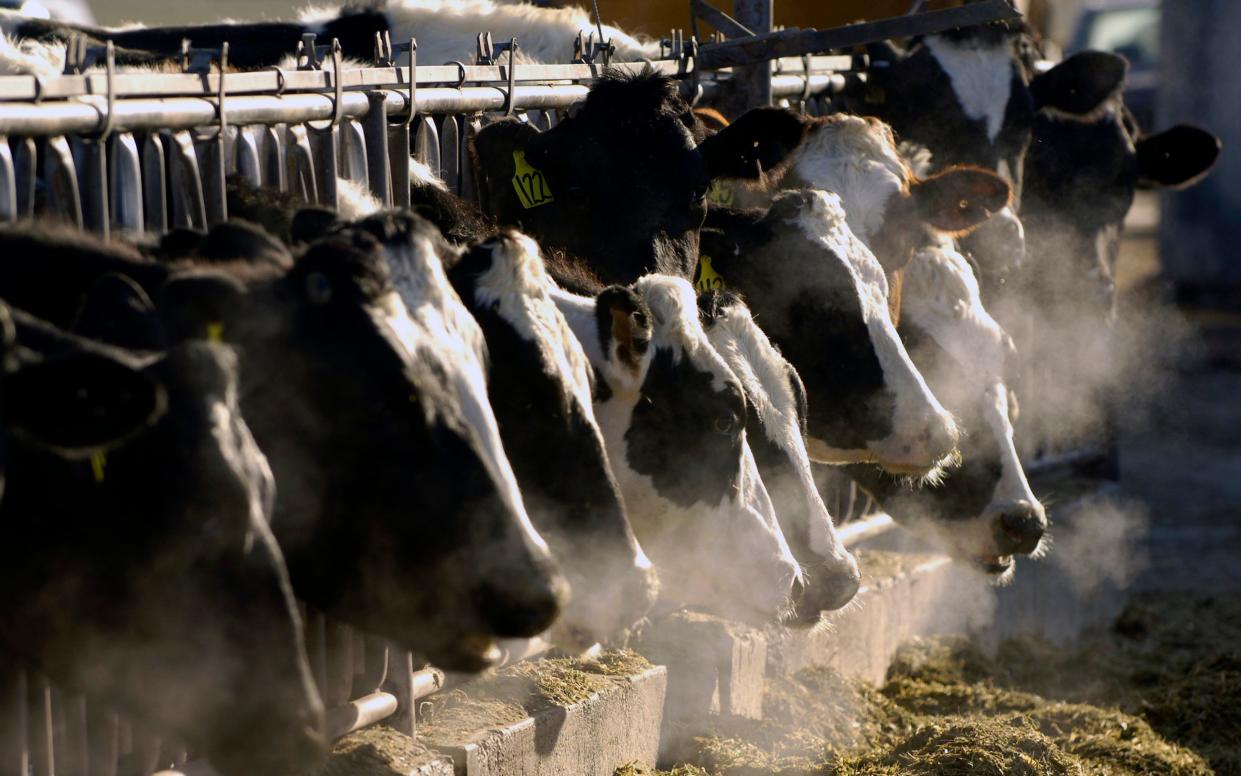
[529,182]
[708,279]
[720,193]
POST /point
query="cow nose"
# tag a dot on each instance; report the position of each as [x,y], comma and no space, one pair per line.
[639,594]
[824,588]
[1021,527]
[521,610]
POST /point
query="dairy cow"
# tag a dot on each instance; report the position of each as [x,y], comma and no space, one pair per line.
[983,510]
[136,511]
[673,416]
[775,430]
[384,486]
[822,298]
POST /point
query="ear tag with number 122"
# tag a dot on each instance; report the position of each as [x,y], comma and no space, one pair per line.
[531,186]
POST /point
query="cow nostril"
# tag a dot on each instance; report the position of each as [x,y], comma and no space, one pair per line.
[1023,527]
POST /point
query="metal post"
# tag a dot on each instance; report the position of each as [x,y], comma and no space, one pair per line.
[752,83]
[8,183]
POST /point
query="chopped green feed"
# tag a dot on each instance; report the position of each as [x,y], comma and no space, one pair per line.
[374,751]
[1159,694]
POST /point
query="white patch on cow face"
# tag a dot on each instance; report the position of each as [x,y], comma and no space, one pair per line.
[447,30]
[433,324]
[981,76]
[924,435]
[26,56]
[611,369]
[354,202]
[856,159]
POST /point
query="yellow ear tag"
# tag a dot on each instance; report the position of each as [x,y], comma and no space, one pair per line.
[98,462]
[708,279]
[215,332]
[531,186]
[720,193]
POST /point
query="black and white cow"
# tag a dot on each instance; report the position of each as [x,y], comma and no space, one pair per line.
[775,430]
[446,30]
[964,95]
[823,299]
[983,510]
[392,512]
[1087,160]
[138,564]
[531,385]
[673,416]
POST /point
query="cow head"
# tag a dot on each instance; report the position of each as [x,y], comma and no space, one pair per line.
[138,562]
[623,183]
[775,429]
[982,511]
[540,387]
[673,417]
[887,206]
[823,299]
[1087,160]
[963,95]
[395,512]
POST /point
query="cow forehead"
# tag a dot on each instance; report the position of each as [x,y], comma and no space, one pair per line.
[677,326]
[518,287]
[981,74]
[856,159]
[825,229]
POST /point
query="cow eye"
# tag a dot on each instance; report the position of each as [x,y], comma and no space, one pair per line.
[639,319]
[318,288]
[724,424]
[699,192]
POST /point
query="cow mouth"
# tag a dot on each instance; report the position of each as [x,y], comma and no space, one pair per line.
[470,653]
[994,565]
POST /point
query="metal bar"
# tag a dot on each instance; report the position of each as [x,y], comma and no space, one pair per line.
[718,19]
[751,83]
[25,166]
[339,687]
[375,670]
[398,163]
[301,164]
[858,531]
[130,85]
[62,181]
[188,112]
[379,174]
[353,161]
[363,712]
[77,748]
[247,157]
[427,143]
[469,186]
[126,183]
[325,159]
[762,48]
[42,755]
[316,648]
[274,159]
[93,185]
[154,184]
[8,183]
[189,207]
[450,153]
[401,684]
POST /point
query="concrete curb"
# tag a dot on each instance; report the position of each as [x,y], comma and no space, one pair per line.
[592,737]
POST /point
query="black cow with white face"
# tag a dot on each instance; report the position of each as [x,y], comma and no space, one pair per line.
[392,512]
[1087,160]
[822,298]
[964,95]
[138,564]
[622,183]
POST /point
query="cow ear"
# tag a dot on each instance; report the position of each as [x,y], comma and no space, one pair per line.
[496,150]
[202,306]
[958,199]
[313,223]
[117,311]
[753,144]
[80,402]
[1177,158]
[1081,83]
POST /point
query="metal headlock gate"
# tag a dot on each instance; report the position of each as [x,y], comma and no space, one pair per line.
[134,153]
